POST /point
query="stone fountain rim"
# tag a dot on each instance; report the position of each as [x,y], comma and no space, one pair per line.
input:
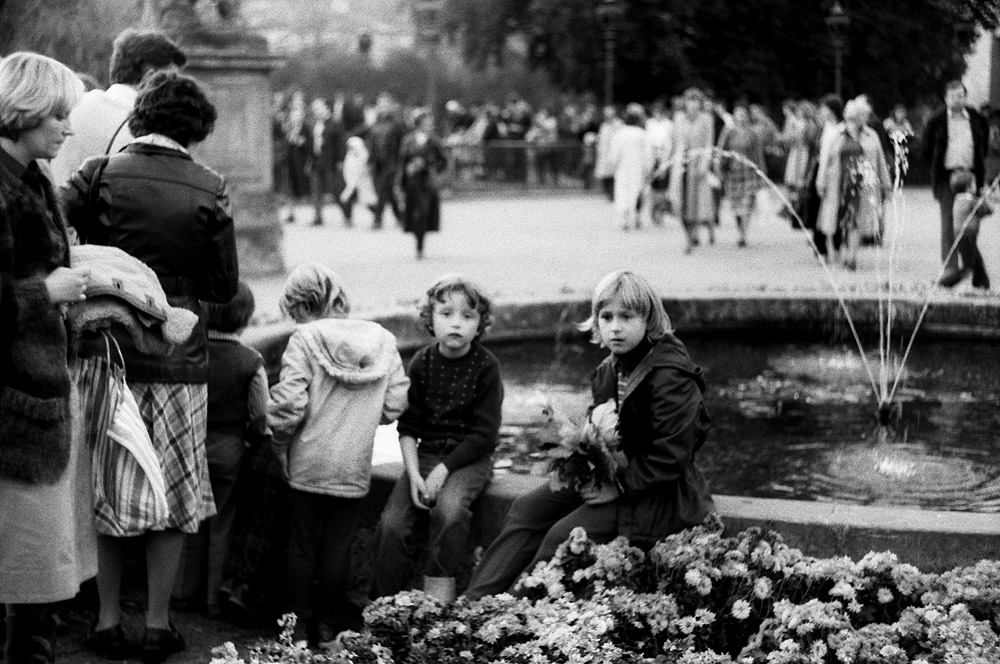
[933,539]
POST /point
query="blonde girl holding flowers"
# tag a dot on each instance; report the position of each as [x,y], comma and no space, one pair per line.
[662,423]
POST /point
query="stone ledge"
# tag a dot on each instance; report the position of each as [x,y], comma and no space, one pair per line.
[932,541]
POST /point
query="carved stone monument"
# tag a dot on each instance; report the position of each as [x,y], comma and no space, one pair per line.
[233,63]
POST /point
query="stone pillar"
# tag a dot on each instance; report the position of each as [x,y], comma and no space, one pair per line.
[236,78]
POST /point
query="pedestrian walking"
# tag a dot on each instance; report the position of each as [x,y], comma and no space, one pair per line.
[422,161]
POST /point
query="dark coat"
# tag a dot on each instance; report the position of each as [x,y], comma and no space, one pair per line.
[936,144]
[173,214]
[329,162]
[420,167]
[34,374]
[662,421]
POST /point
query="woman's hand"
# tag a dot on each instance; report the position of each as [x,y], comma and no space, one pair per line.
[67,285]
[601,495]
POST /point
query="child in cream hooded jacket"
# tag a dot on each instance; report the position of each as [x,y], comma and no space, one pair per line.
[340,379]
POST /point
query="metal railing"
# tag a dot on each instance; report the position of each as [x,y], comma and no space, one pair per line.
[508,164]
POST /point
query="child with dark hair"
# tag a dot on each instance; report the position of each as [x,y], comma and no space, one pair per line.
[237,420]
[447,436]
[966,213]
[174,106]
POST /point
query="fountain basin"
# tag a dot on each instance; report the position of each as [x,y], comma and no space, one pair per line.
[932,540]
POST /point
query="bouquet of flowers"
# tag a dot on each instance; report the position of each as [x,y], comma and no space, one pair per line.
[588,455]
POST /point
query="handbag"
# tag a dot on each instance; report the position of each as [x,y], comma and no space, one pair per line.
[128,483]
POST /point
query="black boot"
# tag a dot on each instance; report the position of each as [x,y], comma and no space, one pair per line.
[31,638]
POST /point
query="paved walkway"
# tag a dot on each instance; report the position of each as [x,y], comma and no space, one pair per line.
[549,247]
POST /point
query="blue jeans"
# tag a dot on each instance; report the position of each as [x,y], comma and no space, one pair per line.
[538,522]
[447,522]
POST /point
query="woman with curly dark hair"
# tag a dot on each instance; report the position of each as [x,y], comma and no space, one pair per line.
[153,201]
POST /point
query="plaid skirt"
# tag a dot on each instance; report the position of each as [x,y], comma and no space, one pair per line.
[176,415]
[741,186]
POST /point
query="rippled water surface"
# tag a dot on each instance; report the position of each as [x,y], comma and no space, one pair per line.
[797,420]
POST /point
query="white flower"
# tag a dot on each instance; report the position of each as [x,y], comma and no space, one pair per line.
[843,589]
[741,609]
[818,651]
[890,650]
[788,645]
[762,587]
[884,595]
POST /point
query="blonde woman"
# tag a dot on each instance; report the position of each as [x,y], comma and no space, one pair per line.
[853,181]
[47,539]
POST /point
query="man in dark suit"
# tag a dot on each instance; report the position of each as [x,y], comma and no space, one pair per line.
[328,146]
[955,138]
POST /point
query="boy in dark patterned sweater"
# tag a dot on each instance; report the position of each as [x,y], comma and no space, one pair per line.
[447,436]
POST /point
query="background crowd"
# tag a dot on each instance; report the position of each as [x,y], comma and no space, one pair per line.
[348,150]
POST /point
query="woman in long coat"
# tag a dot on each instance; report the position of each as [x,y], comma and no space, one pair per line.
[853,181]
[422,160]
[47,544]
[691,178]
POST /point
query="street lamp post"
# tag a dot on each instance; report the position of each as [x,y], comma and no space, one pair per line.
[837,22]
[608,13]
[427,16]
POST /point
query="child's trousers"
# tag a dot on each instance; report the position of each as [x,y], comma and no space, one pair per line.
[448,533]
[972,263]
[319,549]
[538,522]
[205,552]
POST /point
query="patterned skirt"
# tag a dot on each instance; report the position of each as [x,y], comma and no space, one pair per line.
[176,417]
[741,184]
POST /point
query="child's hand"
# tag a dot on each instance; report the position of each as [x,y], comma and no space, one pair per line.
[418,493]
[435,481]
[283,462]
[599,495]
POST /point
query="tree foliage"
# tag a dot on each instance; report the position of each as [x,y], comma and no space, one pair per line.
[76,33]
[896,51]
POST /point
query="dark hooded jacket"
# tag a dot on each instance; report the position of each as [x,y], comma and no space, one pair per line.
[663,422]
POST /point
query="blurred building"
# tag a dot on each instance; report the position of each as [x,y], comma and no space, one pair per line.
[291,25]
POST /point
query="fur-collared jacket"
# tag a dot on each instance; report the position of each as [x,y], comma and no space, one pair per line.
[34,373]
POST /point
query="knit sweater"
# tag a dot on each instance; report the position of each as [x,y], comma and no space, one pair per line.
[34,375]
[454,400]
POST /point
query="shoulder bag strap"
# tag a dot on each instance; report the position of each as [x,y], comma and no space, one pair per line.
[94,191]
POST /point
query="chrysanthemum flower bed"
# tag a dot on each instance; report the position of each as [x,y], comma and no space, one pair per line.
[696,598]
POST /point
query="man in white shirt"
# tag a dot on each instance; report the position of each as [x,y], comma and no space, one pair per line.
[99,120]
